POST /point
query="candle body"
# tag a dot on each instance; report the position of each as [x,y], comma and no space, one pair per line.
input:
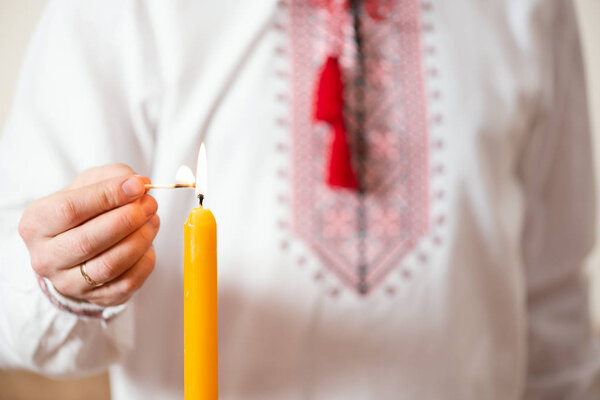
[200,306]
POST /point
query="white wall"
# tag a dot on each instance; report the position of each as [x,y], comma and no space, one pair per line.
[589,18]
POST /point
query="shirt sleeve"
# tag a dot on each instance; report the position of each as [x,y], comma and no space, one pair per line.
[86,96]
[558,181]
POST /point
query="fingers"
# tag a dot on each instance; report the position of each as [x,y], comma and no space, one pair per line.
[118,291]
[116,260]
[64,210]
[110,266]
[99,234]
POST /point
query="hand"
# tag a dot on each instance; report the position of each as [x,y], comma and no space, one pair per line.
[103,218]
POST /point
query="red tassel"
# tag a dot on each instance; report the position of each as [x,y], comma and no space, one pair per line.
[329,102]
[329,107]
[340,170]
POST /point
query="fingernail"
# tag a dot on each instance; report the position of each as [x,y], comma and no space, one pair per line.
[133,187]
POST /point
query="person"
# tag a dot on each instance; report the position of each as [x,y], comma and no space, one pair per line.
[403,190]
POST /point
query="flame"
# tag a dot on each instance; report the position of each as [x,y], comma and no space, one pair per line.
[201,175]
[185,176]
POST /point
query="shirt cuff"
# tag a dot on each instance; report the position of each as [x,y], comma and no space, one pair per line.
[78,308]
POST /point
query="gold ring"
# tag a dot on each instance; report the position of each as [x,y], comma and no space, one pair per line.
[87,278]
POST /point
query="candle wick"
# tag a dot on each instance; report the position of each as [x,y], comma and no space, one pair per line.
[201,199]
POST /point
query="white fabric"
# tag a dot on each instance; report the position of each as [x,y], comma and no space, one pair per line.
[501,313]
[82,307]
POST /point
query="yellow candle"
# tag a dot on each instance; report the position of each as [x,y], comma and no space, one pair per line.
[200,302]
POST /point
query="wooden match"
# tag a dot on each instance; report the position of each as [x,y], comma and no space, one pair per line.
[176,186]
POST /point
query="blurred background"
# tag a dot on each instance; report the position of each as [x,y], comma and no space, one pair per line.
[17,21]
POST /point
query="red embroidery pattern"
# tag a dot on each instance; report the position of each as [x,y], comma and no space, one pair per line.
[395,209]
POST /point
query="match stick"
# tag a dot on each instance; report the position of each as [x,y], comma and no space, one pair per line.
[176,186]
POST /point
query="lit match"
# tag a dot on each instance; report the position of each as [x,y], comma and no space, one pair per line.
[183,179]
